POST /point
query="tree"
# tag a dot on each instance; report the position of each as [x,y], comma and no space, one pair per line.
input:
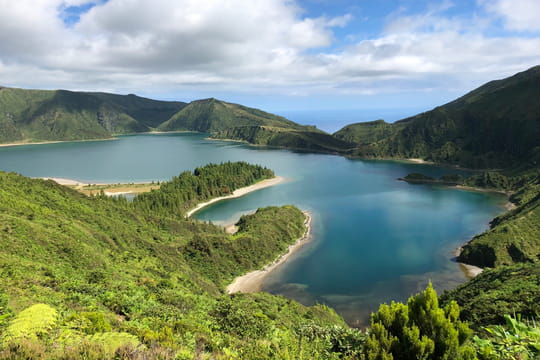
[420,330]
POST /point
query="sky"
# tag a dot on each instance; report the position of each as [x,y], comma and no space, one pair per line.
[272,54]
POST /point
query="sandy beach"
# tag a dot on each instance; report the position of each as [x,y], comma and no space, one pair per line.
[418,161]
[21,143]
[252,282]
[240,192]
[470,271]
[29,143]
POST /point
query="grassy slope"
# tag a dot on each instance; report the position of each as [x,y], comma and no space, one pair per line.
[367,133]
[232,121]
[306,139]
[211,115]
[514,238]
[144,273]
[497,292]
[40,115]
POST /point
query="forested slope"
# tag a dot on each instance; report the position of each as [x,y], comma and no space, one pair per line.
[43,115]
[112,274]
[494,126]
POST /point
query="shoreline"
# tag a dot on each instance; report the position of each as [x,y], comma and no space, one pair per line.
[418,161]
[252,281]
[22,143]
[110,189]
[239,193]
[470,271]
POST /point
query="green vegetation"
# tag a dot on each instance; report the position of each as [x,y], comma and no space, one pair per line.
[41,115]
[485,299]
[38,115]
[367,133]
[236,122]
[97,277]
[212,115]
[494,126]
[517,340]
[417,178]
[308,139]
[187,190]
[118,279]
[513,238]
[418,330]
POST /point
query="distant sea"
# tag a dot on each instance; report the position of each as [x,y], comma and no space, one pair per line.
[332,120]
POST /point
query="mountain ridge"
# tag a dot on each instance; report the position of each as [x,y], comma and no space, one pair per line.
[494,126]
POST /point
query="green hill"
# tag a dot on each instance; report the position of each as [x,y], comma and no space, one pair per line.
[494,126]
[304,139]
[212,115]
[112,274]
[494,293]
[42,115]
[236,122]
[513,238]
[367,133]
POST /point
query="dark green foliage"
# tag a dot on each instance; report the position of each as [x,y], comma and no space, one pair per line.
[490,180]
[494,126]
[259,238]
[150,113]
[514,237]
[236,122]
[189,189]
[107,267]
[486,299]
[417,177]
[285,137]
[418,330]
[367,133]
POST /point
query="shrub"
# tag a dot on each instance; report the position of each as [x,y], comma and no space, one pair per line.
[418,330]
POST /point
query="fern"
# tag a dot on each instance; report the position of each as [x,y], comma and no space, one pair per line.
[33,322]
[111,341]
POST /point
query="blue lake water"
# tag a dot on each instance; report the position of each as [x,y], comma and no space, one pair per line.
[375,239]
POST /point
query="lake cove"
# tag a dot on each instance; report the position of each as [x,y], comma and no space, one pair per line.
[374,239]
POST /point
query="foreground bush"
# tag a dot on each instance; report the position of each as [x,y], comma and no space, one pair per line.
[418,330]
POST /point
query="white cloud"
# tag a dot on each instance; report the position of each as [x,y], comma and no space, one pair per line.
[238,45]
[520,15]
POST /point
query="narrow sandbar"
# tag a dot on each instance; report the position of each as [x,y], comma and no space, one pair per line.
[252,282]
[239,192]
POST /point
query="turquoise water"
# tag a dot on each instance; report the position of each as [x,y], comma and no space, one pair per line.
[375,239]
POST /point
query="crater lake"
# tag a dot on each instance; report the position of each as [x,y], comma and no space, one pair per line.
[374,239]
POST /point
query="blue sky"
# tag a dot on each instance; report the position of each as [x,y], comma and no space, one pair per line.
[273,54]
